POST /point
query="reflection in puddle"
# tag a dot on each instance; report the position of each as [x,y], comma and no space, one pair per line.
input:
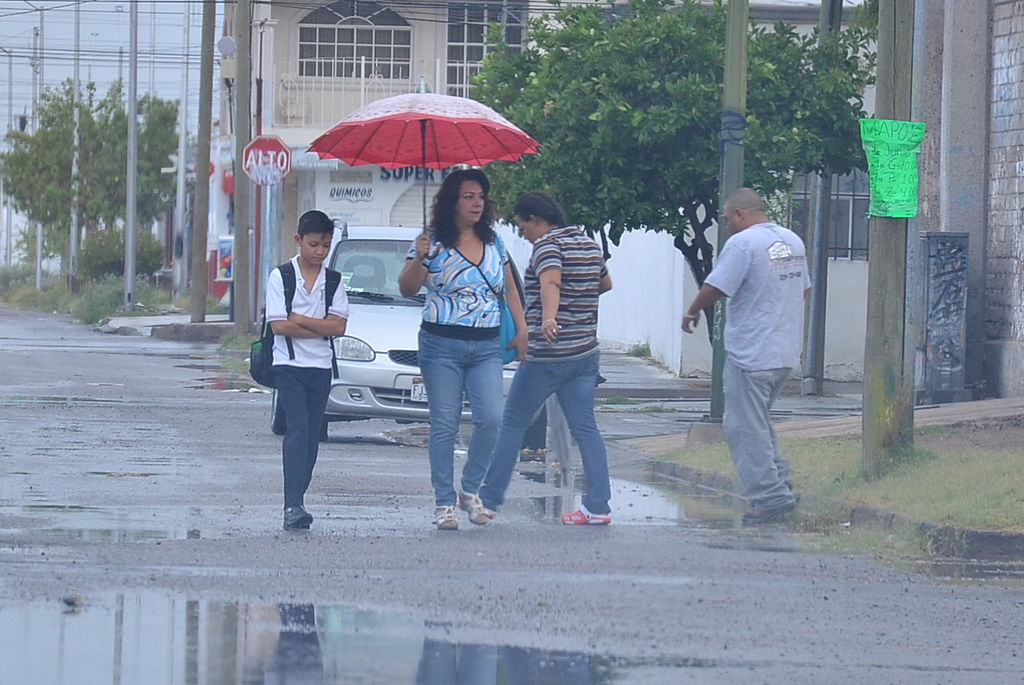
[658,503]
[148,638]
[99,524]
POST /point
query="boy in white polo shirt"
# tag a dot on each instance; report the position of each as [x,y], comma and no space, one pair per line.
[303,355]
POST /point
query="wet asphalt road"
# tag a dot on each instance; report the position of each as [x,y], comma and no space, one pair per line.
[140,542]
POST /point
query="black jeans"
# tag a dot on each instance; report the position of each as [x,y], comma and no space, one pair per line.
[302,396]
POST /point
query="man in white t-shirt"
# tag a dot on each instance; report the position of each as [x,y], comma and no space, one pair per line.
[763,271]
[303,355]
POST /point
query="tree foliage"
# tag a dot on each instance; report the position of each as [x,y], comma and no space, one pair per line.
[37,169]
[626,103]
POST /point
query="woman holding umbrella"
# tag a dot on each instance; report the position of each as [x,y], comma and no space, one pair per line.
[465,267]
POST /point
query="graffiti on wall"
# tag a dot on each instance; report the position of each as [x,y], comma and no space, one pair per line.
[945,329]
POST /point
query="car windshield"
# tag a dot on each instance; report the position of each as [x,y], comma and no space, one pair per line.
[369,269]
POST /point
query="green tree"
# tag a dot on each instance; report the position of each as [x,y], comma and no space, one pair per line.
[37,168]
[626,102]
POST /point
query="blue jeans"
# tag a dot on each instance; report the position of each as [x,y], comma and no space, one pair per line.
[573,382]
[450,367]
[302,396]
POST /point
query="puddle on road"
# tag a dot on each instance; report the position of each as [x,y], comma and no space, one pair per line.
[200,367]
[967,572]
[99,524]
[53,401]
[226,383]
[661,502]
[151,638]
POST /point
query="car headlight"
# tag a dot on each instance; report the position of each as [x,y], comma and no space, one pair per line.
[353,349]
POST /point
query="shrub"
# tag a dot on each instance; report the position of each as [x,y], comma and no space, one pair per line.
[54,297]
[103,297]
[14,277]
[103,254]
[100,299]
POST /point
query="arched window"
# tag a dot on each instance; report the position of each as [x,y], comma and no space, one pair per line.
[334,41]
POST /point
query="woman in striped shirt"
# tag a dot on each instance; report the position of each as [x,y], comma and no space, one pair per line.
[563,281]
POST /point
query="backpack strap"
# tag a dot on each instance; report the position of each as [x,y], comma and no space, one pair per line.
[331,287]
[288,278]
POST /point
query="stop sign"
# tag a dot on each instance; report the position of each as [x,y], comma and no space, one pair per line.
[266,160]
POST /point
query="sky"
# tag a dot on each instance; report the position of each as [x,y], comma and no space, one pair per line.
[104,44]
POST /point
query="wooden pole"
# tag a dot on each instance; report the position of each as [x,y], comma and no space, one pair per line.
[888,422]
[243,133]
[201,211]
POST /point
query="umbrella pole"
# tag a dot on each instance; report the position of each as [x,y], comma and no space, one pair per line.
[423,151]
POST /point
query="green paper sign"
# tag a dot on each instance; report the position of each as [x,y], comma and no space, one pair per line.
[891,148]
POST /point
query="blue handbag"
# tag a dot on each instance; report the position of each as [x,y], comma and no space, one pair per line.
[506,332]
[507,325]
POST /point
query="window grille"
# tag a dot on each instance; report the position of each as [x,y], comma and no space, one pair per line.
[848,227]
[468,24]
[335,40]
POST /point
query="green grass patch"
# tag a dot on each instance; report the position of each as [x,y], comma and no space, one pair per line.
[970,487]
[641,350]
[94,301]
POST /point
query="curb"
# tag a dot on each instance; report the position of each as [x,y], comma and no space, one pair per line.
[950,541]
[193,332]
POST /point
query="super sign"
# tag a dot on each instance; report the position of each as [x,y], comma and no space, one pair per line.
[266,160]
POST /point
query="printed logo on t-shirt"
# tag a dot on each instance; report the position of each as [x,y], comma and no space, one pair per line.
[784,264]
[779,250]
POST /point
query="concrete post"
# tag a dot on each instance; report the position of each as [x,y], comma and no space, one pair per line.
[925,106]
[963,171]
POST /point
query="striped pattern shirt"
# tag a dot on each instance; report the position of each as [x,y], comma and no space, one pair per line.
[581,262]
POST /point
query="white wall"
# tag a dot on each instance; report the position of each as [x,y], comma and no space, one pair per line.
[652,285]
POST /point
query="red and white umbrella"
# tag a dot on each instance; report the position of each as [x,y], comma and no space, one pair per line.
[424,129]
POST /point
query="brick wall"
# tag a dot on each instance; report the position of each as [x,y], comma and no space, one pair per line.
[1004,297]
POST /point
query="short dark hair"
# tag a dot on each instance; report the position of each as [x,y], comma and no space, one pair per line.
[315,221]
[541,205]
[442,214]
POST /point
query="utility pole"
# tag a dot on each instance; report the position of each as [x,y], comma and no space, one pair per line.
[243,121]
[10,127]
[814,350]
[152,45]
[201,205]
[730,174]
[37,69]
[130,211]
[73,238]
[179,255]
[888,424]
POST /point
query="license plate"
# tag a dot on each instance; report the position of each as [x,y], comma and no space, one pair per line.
[419,391]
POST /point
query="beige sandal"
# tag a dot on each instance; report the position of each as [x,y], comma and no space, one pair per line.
[474,506]
[444,518]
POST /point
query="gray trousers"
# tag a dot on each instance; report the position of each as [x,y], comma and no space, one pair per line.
[749,396]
